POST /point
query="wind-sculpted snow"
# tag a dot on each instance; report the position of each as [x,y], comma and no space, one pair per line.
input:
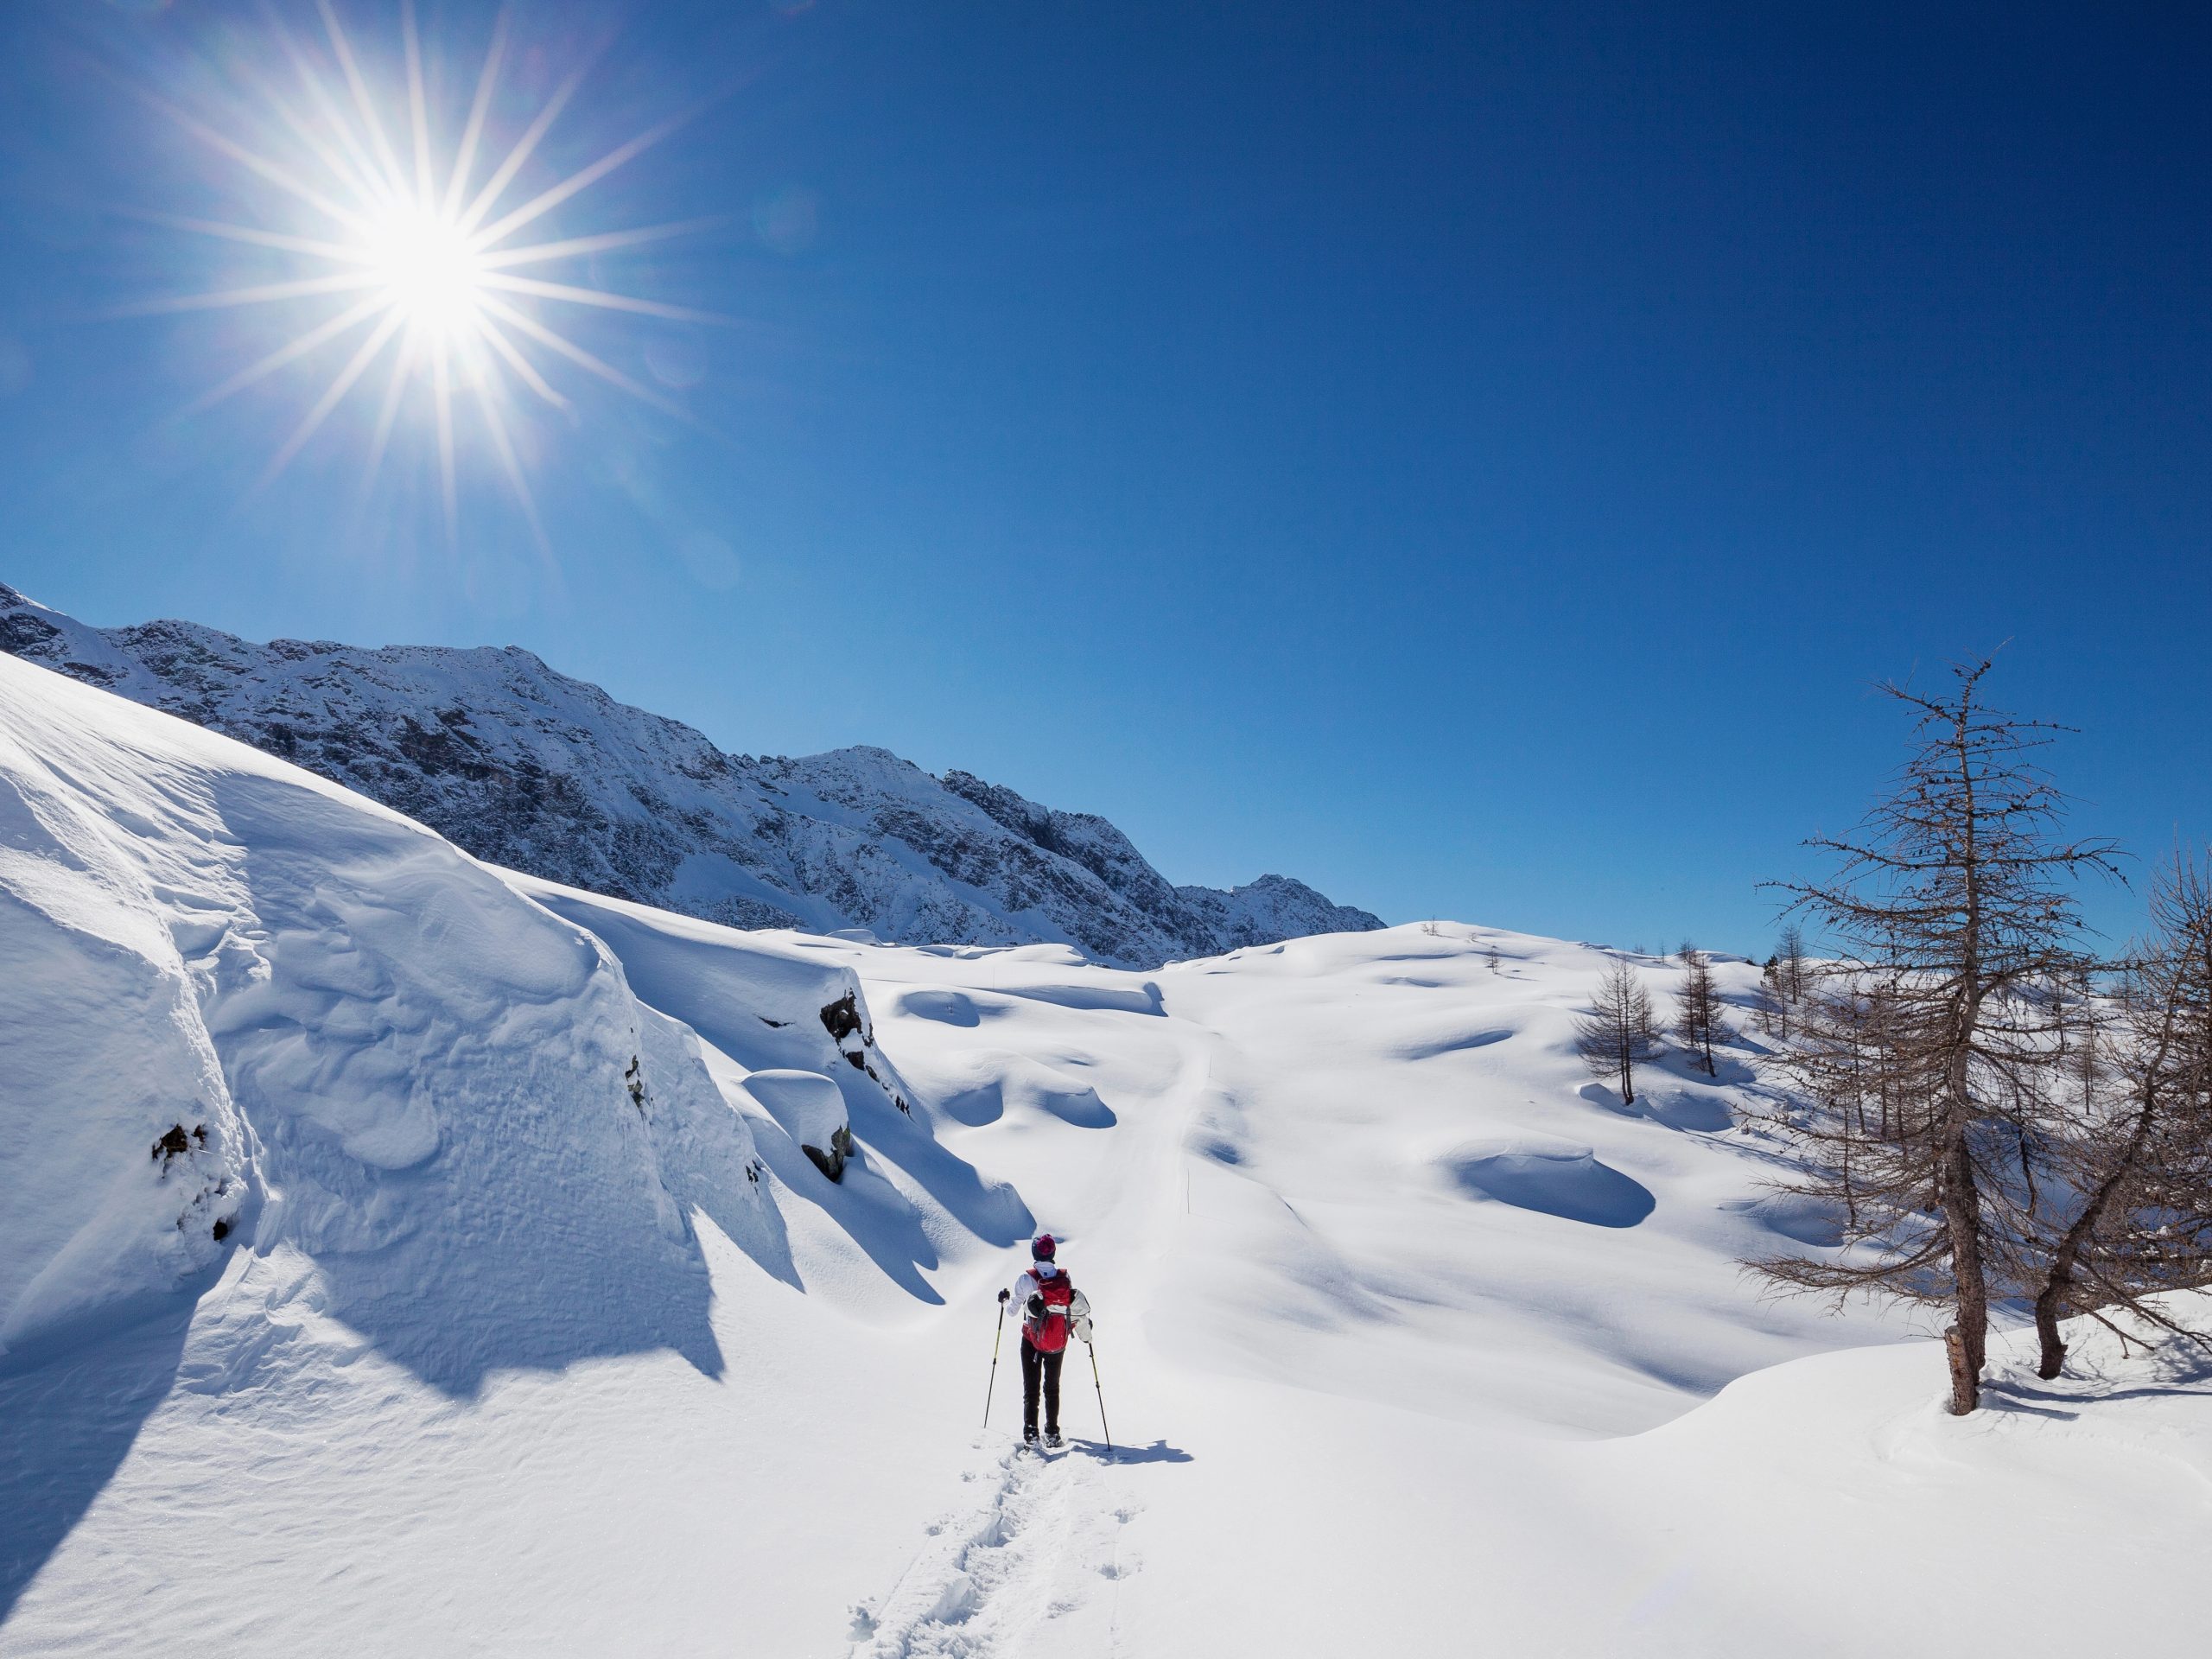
[264,1012]
[527,769]
[122,1160]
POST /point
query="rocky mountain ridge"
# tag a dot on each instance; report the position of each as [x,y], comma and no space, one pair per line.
[524,766]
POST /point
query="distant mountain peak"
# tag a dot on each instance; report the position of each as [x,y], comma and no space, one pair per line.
[521,766]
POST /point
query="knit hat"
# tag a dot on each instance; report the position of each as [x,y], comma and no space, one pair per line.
[1044,1248]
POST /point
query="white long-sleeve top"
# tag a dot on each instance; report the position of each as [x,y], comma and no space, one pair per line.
[1026,1286]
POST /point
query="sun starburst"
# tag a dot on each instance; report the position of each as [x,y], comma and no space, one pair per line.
[420,267]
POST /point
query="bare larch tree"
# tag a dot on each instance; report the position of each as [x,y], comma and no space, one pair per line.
[1923,1047]
[1620,1033]
[1697,1009]
[1784,984]
[1791,964]
[2140,1153]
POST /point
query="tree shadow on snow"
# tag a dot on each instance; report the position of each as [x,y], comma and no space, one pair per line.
[2006,1396]
[1672,1109]
[1996,1397]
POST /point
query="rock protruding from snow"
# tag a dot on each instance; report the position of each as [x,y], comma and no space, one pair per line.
[809,1109]
[527,769]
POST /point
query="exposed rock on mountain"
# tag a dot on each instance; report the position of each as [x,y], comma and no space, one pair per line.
[525,767]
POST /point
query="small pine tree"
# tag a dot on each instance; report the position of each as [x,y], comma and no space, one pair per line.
[1620,1033]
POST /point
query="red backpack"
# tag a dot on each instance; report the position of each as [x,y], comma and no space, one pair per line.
[1048,1332]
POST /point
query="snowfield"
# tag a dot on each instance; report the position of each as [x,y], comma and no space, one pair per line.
[411,1257]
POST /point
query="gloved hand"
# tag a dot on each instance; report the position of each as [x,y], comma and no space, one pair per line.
[1082,1330]
[1003,1294]
[1036,1308]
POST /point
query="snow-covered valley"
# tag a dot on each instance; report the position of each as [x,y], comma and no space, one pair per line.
[411,1257]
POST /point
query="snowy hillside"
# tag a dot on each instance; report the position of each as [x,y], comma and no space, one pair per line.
[411,1257]
[532,769]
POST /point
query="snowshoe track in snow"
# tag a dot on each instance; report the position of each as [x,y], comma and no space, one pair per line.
[1031,1560]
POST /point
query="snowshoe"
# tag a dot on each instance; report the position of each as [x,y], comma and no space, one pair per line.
[1053,1440]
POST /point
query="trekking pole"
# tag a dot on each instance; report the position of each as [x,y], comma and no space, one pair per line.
[1095,1383]
[993,1387]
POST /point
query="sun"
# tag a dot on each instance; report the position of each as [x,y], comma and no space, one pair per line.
[427,269]
[412,252]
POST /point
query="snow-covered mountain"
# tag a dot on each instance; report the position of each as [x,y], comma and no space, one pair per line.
[527,769]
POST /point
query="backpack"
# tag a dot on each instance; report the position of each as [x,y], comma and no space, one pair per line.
[1048,1333]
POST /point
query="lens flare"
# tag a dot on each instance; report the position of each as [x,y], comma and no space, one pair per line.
[419,266]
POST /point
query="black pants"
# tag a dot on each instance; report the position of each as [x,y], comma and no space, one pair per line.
[1037,1368]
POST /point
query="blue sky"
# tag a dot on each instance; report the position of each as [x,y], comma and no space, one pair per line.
[1474,459]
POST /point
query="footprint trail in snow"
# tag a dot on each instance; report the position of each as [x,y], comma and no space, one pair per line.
[1039,1556]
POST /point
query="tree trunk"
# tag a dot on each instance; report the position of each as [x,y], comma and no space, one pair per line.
[2052,1296]
[2053,1359]
[1966,1339]
[1965,1378]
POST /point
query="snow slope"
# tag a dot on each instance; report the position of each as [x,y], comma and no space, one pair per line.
[532,769]
[534,1333]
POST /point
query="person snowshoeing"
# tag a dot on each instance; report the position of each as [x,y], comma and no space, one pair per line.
[1053,1309]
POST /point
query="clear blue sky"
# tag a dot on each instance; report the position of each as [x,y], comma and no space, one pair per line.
[1472,458]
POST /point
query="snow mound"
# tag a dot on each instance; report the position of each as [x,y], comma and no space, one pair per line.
[990,1083]
[1553,1178]
[806,1103]
[952,1007]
